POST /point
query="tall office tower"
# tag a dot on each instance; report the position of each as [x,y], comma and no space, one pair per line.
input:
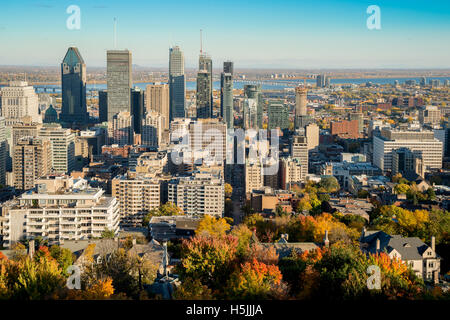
[226,100]
[152,129]
[312,135]
[73,84]
[358,116]
[205,63]
[136,196]
[3,150]
[119,81]
[137,108]
[423,81]
[253,109]
[416,141]
[120,129]
[177,84]
[198,195]
[32,160]
[430,115]
[435,83]
[227,69]
[62,145]
[299,149]
[322,81]
[446,83]
[19,100]
[157,100]
[204,89]
[67,210]
[103,106]
[278,116]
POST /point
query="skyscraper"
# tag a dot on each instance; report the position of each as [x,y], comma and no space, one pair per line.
[204,89]
[3,151]
[205,64]
[103,106]
[157,100]
[137,108]
[301,112]
[278,116]
[226,94]
[322,81]
[177,84]
[253,106]
[73,84]
[119,81]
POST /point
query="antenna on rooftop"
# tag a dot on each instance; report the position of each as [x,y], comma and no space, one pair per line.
[201,40]
[115,33]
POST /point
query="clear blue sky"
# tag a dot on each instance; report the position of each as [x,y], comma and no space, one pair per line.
[267,34]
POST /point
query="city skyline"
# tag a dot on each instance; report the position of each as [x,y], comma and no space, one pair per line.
[292,34]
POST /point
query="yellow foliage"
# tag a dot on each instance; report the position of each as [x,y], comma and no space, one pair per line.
[213,226]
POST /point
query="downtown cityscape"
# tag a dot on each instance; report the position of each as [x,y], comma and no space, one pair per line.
[180,169]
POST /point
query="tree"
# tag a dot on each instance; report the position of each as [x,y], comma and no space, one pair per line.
[209,259]
[193,289]
[330,184]
[401,188]
[63,256]
[108,234]
[228,190]
[212,226]
[255,280]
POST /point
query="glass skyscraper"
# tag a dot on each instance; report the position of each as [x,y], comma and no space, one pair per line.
[73,82]
[204,89]
[177,84]
[119,82]
[205,64]
[226,94]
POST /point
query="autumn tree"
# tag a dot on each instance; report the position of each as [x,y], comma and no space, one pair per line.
[256,280]
[213,226]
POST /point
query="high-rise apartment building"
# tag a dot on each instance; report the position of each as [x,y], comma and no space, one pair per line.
[62,145]
[65,210]
[119,81]
[226,94]
[253,107]
[19,100]
[157,100]
[32,160]
[226,99]
[136,197]
[430,115]
[312,133]
[299,150]
[198,195]
[291,172]
[254,177]
[152,127]
[120,129]
[73,84]
[177,84]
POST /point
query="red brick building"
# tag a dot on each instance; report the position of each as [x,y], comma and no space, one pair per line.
[345,129]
